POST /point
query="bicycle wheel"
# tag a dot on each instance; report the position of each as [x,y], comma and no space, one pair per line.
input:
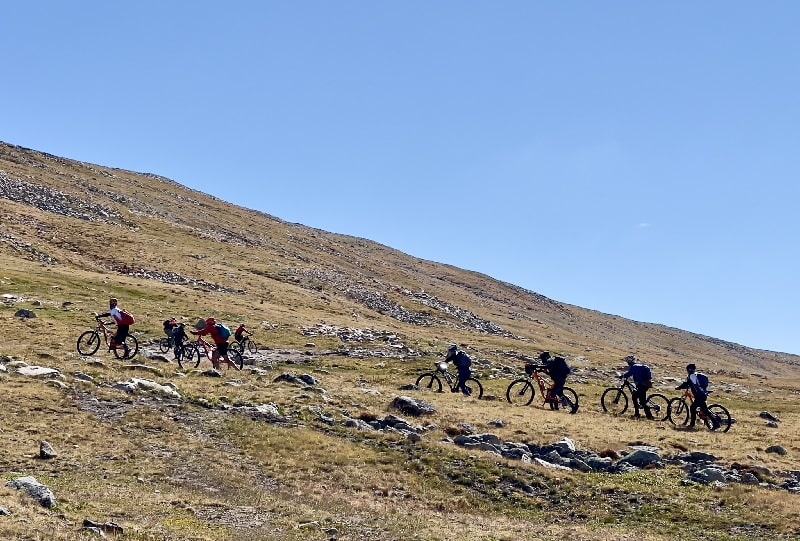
[164,345]
[614,401]
[191,355]
[475,386]
[429,382]
[133,348]
[236,358]
[678,412]
[659,406]
[185,354]
[569,401]
[722,415]
[238,346]
[252,347]
[520,392]
[88,343]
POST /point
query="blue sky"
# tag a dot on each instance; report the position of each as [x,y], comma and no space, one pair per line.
[636,158]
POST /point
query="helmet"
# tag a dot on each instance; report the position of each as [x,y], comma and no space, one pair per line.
[545,356]
[691,368]
[630,359]
[211,321]
[452,348]
[242,325]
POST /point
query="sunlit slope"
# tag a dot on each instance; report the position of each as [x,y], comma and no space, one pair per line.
[68,218]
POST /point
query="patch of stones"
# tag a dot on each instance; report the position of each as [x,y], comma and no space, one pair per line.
[53,201]
[27,249]
[375,298]
[700,468]
[173,278]
[394,346]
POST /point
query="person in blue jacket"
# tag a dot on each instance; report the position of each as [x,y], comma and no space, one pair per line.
[643,378]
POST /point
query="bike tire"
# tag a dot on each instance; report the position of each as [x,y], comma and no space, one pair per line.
[191,356]
[569,401]
[133,348]
[474,384]
[659,406]
[722,414]
[88,343]
[236,358]
[678,412]
[252,347]
[429,382]
[614,401]
[163,345]
[184,355]
[520,392]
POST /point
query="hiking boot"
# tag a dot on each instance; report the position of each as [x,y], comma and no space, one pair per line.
[127,353]
[714,423]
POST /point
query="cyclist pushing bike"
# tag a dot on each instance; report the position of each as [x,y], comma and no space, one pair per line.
[558,370]
[463,363]
[643,378]
[220,335]
[123,320]
[698,384]
[241,333]
[178,338]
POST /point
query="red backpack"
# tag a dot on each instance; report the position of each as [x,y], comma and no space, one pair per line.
[127,318]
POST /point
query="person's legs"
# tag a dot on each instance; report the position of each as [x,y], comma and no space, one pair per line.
[119,338]
[463,376]
[640,401]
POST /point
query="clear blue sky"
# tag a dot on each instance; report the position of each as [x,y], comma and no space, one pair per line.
[636,158]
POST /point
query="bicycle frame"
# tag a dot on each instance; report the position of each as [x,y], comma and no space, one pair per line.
[681,406]
[89,342]
[451,380]
[522,391]
[545,389]
[614,400]
[433,380]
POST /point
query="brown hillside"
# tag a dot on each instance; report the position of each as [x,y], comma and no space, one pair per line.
[308,441]
[77,216]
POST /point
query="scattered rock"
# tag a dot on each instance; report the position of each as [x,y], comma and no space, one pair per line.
[777,449]
[769,417]
[25,314]
[46,450]
[411,406]
[35,490]
[38,372]
[109,527]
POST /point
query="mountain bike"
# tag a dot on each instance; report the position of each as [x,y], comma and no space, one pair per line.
[245,343]
[432,381]
[521,391]
[615,401]
[89,342]
[679,413]
[194,352]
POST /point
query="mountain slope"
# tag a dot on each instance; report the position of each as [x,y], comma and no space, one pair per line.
[74,215]
[307,441]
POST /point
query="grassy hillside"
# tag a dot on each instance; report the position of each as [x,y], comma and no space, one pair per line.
[246,456]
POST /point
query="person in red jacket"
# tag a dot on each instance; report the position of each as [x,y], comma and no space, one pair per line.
[221,351]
